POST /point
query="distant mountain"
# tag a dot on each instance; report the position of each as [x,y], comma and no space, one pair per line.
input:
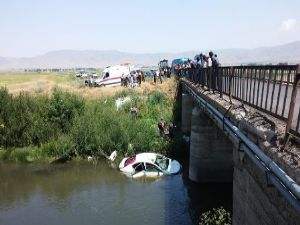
[288,53]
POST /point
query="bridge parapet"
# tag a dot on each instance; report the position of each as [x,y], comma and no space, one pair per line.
[271,89]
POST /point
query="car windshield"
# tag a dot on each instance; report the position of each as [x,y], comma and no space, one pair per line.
[162,162]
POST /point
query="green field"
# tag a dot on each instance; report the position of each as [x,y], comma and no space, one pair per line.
[11,78]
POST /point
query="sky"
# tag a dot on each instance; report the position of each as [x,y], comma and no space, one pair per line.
[33,27]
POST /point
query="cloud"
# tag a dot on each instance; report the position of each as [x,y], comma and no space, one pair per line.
[288,25]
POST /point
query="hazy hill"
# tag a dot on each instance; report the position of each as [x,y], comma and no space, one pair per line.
[93,58]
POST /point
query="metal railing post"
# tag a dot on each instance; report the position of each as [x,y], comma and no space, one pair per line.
[292,103]
[230,82]
[220,81]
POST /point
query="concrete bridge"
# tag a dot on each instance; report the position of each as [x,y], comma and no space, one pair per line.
[228,145]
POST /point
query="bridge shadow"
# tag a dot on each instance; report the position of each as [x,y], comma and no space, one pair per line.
[200,197]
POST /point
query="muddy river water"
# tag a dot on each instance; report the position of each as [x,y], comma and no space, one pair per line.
[87,193]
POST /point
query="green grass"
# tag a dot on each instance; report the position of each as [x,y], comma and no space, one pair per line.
[10,78]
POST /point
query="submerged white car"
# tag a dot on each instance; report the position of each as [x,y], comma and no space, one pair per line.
[149,165]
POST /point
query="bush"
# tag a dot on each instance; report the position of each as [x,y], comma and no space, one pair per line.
[60,147]
[16,119]
[26,120]
[103,129]
[217,216]
[65,123]
[63,108]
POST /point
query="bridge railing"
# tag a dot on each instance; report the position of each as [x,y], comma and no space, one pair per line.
[272,89]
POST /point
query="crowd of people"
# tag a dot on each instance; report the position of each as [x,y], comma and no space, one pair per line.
[134,79]
[208,77]
[201,61]
[157,75]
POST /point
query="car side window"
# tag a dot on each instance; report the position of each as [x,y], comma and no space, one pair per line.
[151,168]
[138,167]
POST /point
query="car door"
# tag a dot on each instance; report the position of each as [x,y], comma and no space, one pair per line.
[151,170]
[139,170]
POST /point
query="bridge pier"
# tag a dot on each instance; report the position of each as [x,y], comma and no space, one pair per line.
[210,151]
[186,111]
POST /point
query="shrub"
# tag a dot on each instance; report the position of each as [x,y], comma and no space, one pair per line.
[217,216]
[63,108]
[156,98]
[65,123]
[62,146]
[16,117]
[27,120]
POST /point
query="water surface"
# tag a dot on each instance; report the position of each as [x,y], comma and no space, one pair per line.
[85,193]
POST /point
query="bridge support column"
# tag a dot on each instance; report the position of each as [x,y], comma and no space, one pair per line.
[186,111]
[210,151]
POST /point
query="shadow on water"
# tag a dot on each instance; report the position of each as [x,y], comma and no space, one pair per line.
[200,197]
[186,200]
[206,196]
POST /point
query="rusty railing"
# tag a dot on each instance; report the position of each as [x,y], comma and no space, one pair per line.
[271,89]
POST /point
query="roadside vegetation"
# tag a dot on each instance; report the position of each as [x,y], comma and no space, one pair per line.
[63,124]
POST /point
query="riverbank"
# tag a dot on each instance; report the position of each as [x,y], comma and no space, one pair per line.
[45,127]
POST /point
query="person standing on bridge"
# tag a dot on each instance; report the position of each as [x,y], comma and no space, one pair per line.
[217,60]
[216,68]
[214,71]
[209,72]
[205,74]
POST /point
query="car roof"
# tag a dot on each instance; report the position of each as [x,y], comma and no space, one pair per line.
[146,157]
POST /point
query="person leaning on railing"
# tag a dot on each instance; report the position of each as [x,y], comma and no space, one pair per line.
[214,71]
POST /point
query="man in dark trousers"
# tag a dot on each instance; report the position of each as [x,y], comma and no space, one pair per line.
[161,127]
[171,130]
[214,72]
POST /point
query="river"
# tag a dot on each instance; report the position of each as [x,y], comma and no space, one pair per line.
[87,193]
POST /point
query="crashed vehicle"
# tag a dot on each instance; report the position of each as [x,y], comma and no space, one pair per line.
[149,165]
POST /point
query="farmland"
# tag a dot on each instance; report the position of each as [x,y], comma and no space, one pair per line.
[44,84]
